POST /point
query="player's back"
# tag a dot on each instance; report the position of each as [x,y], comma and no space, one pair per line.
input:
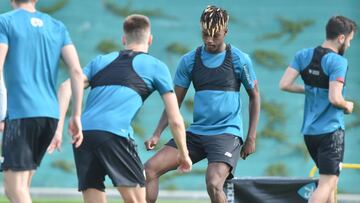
[120,82]
[320,116]
[35,41]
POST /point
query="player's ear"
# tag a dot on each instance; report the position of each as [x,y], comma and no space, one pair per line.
[123,40]
[341,38]
[150,39]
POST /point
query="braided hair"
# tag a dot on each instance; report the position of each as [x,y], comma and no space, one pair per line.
[214,19]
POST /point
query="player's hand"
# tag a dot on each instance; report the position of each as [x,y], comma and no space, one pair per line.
[185,163]
[55,142]
[75,130]
[248,148]
[151,143]
[349,107]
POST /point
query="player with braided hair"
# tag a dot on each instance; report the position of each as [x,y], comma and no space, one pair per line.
[213,20]
[216,70]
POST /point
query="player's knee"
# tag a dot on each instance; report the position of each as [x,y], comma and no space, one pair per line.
[329,183]
[13,192]
[141,199]
[330,186]
[150,199]
[150,171]
[8,192]
[214,185]
[134,198]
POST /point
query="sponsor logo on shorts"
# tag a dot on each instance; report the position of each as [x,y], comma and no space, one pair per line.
[307,190]
[340,166]
[228,154]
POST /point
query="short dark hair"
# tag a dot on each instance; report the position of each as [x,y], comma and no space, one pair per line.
[339,25]
[214,19]
[21,1]
[136,28]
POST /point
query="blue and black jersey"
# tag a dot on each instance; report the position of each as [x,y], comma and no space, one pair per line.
[217,79]
[318,67]
[120,82]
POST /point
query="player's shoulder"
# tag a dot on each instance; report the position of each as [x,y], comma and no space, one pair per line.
[150,60]
[305,52]
[149,65]
[188,58]
[102,60]
[190,55]
[106,57]
[8,15]
[334,58]
[54,21]
[239,55]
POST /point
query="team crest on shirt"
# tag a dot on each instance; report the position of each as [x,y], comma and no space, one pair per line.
[36,22]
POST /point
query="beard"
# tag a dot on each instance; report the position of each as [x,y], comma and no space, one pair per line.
[342,49]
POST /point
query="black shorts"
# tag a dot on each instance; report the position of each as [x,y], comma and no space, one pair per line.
[224,148]
[104,153]
[327,151]
[25,142]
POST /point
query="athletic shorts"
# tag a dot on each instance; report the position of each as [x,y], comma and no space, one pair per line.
[327,151]
[25,142]
[223,148]
[103,153]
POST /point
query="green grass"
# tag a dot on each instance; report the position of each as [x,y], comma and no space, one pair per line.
[37,200]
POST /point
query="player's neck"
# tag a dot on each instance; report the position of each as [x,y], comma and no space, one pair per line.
[30,6]
[331,45]
[137,47]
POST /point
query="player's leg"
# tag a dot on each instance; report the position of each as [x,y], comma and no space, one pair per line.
[92,195]
[163,161]
[122,164]
[24,144]
[16,185]
[216,175]
[324,191]
[332,196]
[166,160]
[327,151]
[223,152]
[89,169]
[132,194]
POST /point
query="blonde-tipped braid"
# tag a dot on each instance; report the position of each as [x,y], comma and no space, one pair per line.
[214,19]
